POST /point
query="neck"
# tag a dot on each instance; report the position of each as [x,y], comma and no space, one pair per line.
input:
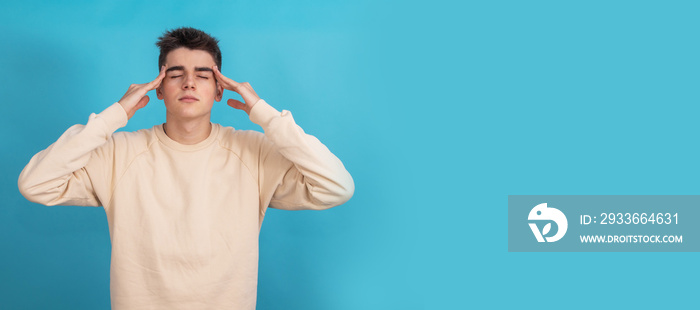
[190,131]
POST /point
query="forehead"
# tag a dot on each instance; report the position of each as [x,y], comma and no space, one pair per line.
[189,58]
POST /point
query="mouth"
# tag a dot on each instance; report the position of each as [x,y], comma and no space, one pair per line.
[188,99]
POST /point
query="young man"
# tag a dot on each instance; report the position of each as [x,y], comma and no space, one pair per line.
[185,200]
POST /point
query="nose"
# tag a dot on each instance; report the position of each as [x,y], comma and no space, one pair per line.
[188,83]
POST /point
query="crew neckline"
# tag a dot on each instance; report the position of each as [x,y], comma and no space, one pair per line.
[160,133]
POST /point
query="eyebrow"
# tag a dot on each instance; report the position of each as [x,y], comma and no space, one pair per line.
[182,68]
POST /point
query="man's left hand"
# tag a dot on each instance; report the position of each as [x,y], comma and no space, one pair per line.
[244,89]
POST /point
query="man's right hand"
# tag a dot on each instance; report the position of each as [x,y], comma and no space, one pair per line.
[135,98]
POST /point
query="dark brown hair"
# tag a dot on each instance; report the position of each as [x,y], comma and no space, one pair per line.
[190,38]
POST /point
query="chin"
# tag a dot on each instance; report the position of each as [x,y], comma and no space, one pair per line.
[188,110]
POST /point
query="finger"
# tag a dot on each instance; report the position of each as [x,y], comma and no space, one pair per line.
[161,74]
[225,80]
[219,75]
[155,83]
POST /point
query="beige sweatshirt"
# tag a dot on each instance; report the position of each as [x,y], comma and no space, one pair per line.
[184,220]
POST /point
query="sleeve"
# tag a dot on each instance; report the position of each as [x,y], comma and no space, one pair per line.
[72,170]
[296,169]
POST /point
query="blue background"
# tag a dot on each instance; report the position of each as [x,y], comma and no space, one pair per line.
[439,110]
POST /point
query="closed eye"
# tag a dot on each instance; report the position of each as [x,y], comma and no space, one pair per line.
[177,76]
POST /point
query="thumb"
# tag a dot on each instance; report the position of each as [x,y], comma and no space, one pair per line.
[236,104]
[142,103]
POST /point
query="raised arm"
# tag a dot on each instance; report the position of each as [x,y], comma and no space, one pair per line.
[71,170]
[299,171]
[302,172]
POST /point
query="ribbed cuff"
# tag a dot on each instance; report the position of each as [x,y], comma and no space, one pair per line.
[114,116]
[262,113]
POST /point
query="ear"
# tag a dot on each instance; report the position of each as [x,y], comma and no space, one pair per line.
[159,92]
[219,92]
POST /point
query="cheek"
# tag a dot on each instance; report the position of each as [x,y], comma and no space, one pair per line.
[208,86]
[168,87]
[170,82]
